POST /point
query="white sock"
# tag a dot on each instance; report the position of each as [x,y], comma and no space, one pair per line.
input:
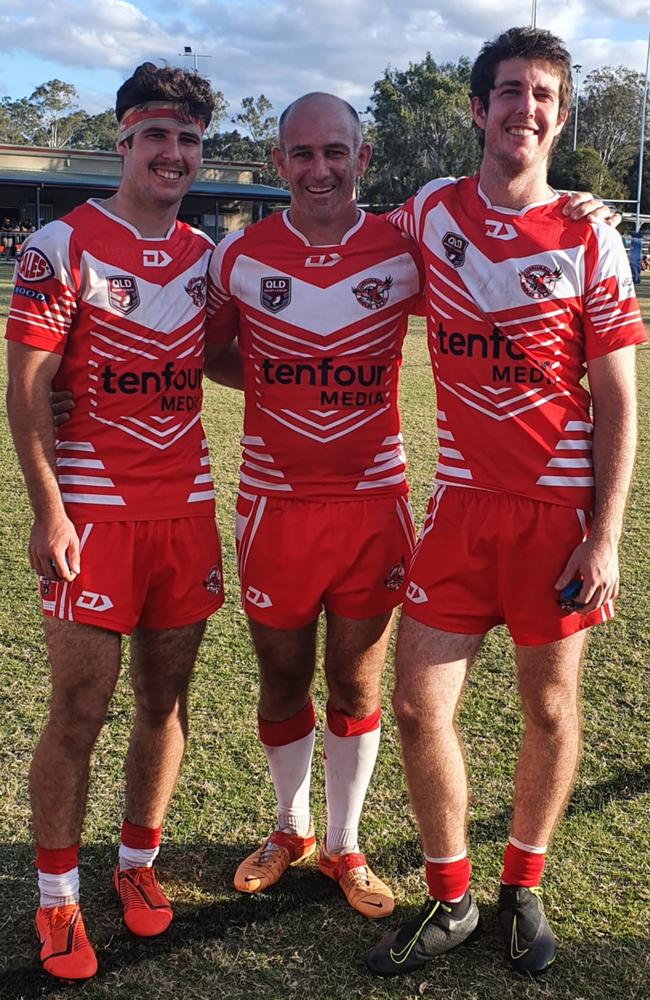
[58,890]
[136,857]
[349,763]
[290,767]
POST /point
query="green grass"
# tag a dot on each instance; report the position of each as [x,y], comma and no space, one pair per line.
[300,939]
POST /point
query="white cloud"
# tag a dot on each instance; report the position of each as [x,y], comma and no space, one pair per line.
[106,33]
[625,10]
[283,48]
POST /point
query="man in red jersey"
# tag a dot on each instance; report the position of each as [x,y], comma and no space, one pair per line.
[530,486]
[319,298]
[110,302]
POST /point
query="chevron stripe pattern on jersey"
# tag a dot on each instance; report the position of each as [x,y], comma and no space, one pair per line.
[517,303]
[320,331]
[127,315]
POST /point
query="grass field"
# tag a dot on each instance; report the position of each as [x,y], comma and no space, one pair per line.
[300,939]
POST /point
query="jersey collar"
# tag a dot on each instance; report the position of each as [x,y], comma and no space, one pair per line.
[514,211]
[96,203]
[350,233]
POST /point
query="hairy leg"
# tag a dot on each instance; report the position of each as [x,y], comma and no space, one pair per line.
[355,653]
[430,667]
[85,663]
[549,687]
[162,661]
[287,661]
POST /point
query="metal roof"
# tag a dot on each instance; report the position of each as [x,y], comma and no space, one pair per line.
[104,182]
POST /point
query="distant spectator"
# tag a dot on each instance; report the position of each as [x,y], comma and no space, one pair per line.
[6,237]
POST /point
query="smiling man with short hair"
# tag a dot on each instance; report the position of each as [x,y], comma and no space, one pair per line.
[110,302]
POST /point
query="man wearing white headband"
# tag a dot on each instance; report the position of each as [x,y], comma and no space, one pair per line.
[109,302]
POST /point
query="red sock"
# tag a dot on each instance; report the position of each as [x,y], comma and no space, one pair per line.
[57,860]
[344,725]
[448,879]
[522,867]
[141,838]
[279,734]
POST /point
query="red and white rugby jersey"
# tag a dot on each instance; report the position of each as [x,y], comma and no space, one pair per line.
[320,333]
[128,316]
[517,303]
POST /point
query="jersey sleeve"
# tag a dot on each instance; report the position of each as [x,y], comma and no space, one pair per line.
[612,318]
[44,299]
[405,218]
[222,322]
[408,218]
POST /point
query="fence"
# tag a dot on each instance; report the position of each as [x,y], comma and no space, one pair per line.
[11,244]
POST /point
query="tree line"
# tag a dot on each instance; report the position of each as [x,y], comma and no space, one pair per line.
[418,121]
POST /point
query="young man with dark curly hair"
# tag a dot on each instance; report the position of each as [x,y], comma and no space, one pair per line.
[530,488]
[110,302]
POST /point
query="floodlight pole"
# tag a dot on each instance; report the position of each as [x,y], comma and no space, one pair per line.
[187,53]
[533,15]
[577,69]
[642,139]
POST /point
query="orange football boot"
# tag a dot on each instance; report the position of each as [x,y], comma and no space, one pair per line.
[66,951]
[146,909]
[364,891]
[266,866]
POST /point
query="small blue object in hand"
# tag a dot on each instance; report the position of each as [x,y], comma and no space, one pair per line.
[566,600]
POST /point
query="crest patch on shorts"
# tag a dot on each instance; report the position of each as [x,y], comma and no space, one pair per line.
[212,582]
[396,576]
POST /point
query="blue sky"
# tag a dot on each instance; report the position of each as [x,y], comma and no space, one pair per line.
[283,48]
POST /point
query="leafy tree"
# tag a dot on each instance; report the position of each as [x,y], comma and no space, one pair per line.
[255,119]
[422,128]
[583,170]
[95,131]
[231,146]
[633,179]
[218,115]
[18,121]
[254,143]
[55,105]
[609,116]
[46,118]
[50,117]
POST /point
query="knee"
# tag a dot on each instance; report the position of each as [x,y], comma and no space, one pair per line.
[160,706]
[353,698]
[417,715]
[75,721]
[407,712]
[278,703]
[283,692]
[554,716]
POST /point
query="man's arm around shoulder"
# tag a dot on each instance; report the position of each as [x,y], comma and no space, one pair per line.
[223,364]
[53,545]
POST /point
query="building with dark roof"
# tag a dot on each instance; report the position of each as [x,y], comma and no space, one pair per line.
[39,184]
